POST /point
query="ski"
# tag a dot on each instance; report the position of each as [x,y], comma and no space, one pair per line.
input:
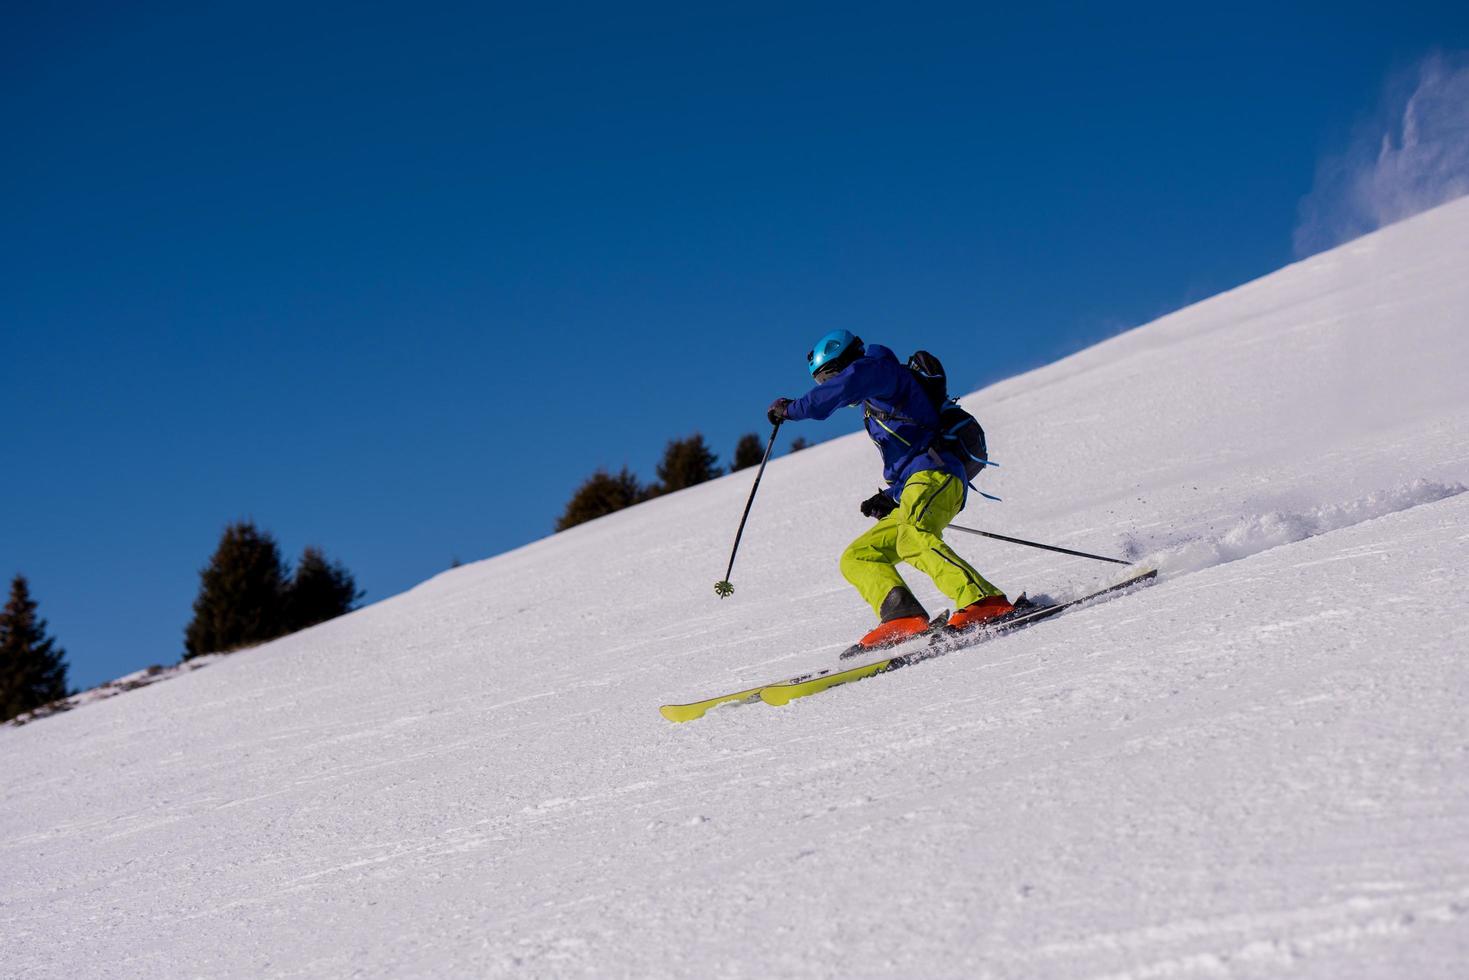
[784,691]
[696,709]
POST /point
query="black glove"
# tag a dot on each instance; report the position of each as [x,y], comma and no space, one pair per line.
[777,413]
[878,506]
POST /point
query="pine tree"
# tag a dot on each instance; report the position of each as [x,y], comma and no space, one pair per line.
[318,591]
[685,463]
[799,443]
[32,667]
[747,452]
[601,494]
[241,598]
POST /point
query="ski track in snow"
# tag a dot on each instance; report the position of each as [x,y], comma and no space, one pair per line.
[1176,553]
[1257,767]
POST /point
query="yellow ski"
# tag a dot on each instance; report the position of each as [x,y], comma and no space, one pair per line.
[800,687]
[688,712]
[696,709]
[785,693]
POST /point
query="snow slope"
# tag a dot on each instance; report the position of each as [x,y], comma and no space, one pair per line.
[1257,767]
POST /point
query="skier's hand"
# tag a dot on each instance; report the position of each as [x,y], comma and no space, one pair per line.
[777,413]
[878,506]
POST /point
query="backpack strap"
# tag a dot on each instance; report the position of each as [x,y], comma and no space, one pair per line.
[883,418]
[873,412]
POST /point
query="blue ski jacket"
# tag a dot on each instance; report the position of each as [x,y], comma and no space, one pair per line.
[897,415]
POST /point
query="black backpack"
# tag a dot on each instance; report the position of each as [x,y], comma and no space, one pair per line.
[960,433]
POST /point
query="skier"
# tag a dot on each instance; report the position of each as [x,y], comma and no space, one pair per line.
[926,489]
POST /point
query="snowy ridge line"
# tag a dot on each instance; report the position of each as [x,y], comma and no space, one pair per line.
[128,682]
[1181,552]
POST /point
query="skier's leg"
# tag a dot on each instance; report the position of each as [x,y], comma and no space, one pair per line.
[868,565]
[930,501]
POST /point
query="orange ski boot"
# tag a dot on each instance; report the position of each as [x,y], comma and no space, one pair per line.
[981,612]
[903,618]
[893,632]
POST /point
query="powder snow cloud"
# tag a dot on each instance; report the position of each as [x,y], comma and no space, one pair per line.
[1413,155]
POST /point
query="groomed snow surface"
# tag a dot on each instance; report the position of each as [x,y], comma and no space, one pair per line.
[1257,767]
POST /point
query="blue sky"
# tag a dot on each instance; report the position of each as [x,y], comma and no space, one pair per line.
[392,279]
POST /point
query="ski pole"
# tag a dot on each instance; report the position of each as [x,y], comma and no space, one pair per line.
[1036,544]
[724,588]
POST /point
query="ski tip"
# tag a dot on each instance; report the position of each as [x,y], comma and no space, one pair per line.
[681,712]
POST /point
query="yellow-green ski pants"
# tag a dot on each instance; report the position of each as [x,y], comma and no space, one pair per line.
[913,534]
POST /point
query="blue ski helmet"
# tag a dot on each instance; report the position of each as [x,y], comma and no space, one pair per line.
[838,346]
